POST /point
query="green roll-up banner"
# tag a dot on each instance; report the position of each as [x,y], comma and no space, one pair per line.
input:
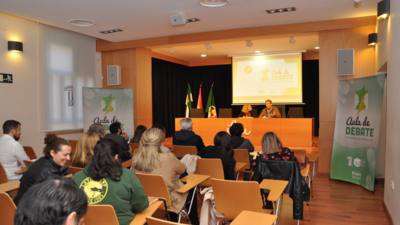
[357,128]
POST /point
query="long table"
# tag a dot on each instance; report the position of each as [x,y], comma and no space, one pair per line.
[297,132]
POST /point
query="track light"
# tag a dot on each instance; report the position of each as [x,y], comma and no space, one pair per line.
[171,50]
[208,46]
[292,40]
[249,44]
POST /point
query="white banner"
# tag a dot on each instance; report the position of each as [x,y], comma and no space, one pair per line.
[108,105]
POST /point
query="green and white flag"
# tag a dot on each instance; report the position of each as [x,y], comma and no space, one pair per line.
[210,108]
[188,102]
[357,129]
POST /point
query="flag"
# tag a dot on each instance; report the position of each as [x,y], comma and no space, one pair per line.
[210,108]
[200,100]
[188,102]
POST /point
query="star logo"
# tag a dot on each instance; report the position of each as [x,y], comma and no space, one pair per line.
[108,104]
[361,100]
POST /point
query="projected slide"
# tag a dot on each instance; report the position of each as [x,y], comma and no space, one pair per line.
[258,78]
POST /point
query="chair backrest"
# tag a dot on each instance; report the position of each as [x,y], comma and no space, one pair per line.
[242,155]
[232,197]
[73,144]
[101,214]
[211,167]
[74,169]
[295,112]
[30,152]
[155,221]
[135,151]
[182,150]
[7,209]
[134,145]
[225,113]
[154,185]
[197,113]
[127,163]
[300,155]
[3,175]
[28,163]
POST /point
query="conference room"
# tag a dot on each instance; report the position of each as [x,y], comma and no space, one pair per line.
[158,60]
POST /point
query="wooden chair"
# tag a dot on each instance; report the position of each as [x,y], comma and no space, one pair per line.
[30,152]
[211,167]
[3,175]
[28,163]
[74,169]
[154,185]
[127,164]
[155,221]
[242,155]
[305,172]
[134,145]
[73,144]
[232,197]
[182,150]
[5,185]
[101,214]
[7,209]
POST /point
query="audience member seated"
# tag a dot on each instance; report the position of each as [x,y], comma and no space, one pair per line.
[238,142]
[151,160]
[12,154]
[121,138]
[84,149]
[106,181]
[138,133]
[222,150]
[270,111]
[247,111]
[98,128]
[162,128]
[56,154]
[56,200]
[186,136]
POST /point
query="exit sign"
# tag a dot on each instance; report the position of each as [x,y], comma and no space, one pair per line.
[6,78]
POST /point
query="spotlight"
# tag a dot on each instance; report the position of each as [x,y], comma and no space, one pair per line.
[317,47]
[15,46]
[357,3]
[292,40]
[258,51]
[203,55]
[171,50]
[372,39]
[383,9]
[249,44]
[208,46]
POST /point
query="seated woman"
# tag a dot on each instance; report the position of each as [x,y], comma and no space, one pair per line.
[84,149]
[138,134]
[151,160]
[247,111]
[106,181]
[56,154]
[222,150]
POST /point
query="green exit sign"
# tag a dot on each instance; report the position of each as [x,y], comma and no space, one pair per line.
[6,78]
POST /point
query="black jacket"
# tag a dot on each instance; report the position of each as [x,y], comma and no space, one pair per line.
[188,138]
[36,172]
[285,170]
[123,146]
[228,162]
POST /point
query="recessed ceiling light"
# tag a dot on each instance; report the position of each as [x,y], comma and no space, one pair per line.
[289,9]
[258,51]
[81,23]
[203,55]
[317,47]
[213,3]
[192,20]
[110,31]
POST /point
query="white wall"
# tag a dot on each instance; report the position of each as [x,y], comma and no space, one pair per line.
[392,168]
[20,100]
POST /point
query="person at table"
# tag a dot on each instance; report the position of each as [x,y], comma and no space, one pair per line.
[106,181]
[223,150]
[138,134]
[42,203]
[187,137]
[247,111]
[84,149]
[12,154]
[270,111]
[121,138]
[151,160]
[56,154]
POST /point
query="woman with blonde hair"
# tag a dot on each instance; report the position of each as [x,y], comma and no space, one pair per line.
[151,160]
[247,111]
[84,149]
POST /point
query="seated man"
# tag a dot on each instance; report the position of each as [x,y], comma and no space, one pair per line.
[270,111]
[12,154]
[98,128]
[121,138]
[187,137]
[56,200]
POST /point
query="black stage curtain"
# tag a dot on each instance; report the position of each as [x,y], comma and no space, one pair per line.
[170,84]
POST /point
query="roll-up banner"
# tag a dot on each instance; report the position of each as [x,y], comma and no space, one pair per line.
[357,129]
[108,105]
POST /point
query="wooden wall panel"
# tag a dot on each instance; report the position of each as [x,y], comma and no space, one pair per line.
[169,59]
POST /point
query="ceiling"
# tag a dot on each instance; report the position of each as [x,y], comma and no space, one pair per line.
[141,19]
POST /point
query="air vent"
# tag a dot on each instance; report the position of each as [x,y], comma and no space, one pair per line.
[110,31]
[272,11]
[82,23]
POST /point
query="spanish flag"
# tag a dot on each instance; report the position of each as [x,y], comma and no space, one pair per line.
[200,100]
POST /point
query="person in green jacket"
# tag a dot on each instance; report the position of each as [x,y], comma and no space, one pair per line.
[106,181]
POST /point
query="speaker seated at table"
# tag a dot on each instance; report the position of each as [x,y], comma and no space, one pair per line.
[197,113]
[295,112]
[225,113]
